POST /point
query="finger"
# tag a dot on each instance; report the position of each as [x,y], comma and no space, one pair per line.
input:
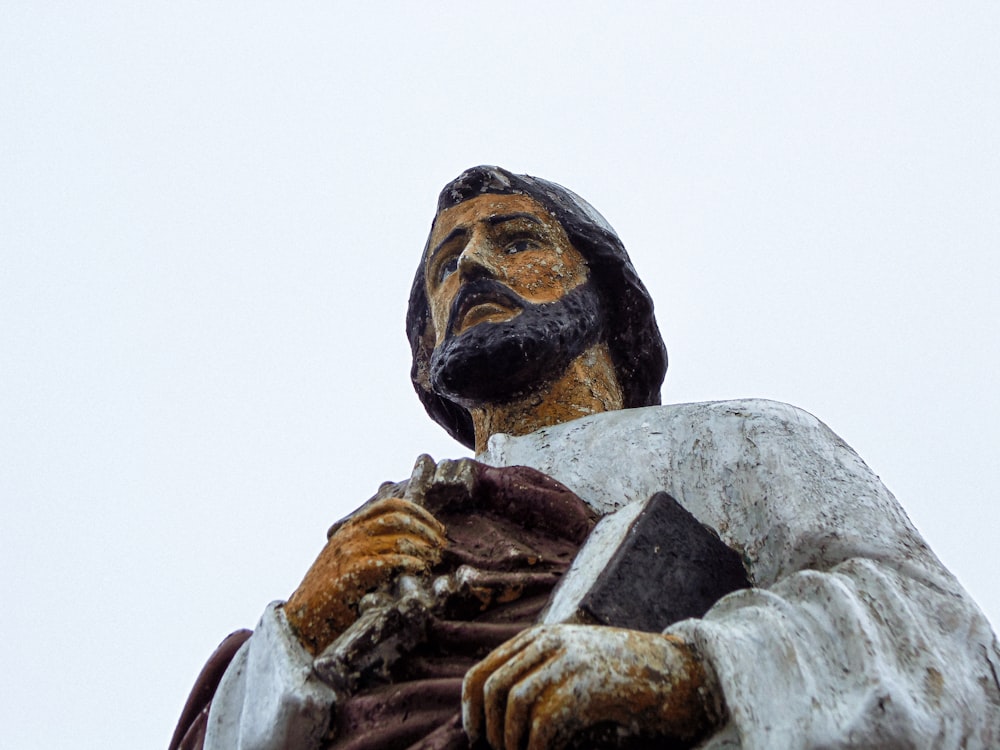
[390,524]
[399,522]
[475,680]
[522,699]
[321,610]
[344,589]
[382,534]
[373,571]
[360,551]
[344,556]
[506,651]
[498,686]
[472,702]
[397,505]
[556,717]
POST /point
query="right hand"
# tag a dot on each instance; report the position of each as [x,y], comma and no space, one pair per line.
[382,541]
[544,687]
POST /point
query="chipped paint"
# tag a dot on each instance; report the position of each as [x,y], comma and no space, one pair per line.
[553,683]
[381,542]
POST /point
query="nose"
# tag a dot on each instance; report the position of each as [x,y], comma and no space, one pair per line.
[478,260]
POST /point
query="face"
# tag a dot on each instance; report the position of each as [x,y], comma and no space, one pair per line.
[490,255]
[509,299]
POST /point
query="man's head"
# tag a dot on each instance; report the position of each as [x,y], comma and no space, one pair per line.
[520,276]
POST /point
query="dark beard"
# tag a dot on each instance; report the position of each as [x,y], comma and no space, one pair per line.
[495,363]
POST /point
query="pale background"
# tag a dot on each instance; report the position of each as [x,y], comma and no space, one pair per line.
[209,221]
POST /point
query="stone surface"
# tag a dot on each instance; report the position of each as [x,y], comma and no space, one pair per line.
[854,634]
[526,314]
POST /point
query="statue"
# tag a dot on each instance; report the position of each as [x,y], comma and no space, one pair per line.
[607,572]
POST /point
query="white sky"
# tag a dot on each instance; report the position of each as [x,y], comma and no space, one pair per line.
[209,221]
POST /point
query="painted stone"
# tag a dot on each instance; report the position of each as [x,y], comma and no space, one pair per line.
[607,572]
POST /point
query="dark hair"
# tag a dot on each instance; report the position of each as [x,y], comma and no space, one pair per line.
[637,350]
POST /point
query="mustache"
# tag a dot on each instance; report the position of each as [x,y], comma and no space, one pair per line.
[476,293]
[500,362]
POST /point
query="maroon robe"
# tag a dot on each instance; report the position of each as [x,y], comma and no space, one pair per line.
[516,536]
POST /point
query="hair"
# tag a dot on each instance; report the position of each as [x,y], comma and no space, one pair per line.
[638,353]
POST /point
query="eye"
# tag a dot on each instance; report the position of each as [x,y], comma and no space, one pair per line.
[519,246]
[447,268]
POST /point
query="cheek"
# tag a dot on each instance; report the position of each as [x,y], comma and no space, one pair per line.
[439,321]
[544,279]
[440,304]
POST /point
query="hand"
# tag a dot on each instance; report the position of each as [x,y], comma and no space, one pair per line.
[382,541]
[543,687]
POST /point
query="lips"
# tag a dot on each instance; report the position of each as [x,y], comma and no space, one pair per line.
[482,300]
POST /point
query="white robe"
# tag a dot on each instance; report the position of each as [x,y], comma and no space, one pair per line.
[854,634]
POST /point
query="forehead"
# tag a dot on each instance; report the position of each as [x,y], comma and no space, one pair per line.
[484,207]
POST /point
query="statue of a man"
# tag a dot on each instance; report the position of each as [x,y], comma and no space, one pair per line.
[532,598]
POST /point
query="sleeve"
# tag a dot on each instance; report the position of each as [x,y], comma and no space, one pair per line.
[190,731]
[855,635]
[269,697]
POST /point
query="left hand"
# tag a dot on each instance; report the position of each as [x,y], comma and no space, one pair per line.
[550,682]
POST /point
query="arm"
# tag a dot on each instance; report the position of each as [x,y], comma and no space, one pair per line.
[861,655]
[855,635]
[190,731]
[270,696]
[312,652]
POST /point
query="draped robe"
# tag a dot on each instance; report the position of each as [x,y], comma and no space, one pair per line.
[853,633]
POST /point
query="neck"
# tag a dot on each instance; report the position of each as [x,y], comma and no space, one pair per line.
[589,386]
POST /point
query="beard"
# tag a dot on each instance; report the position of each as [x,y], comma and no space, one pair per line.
[495,363]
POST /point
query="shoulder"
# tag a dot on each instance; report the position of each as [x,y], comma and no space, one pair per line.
[738,410]
[670,427]
[741,419]
[759,433]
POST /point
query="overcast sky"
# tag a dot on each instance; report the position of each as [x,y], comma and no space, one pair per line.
[210,215]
